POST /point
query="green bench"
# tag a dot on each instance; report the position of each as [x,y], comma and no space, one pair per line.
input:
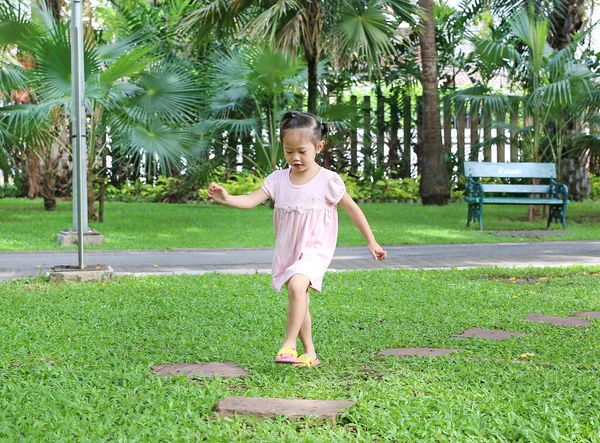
[549,193]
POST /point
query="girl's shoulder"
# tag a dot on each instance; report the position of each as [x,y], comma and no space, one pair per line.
[277,175]
[329,175]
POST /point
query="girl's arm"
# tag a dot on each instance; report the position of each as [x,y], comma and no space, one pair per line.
[220,195]
[359,219]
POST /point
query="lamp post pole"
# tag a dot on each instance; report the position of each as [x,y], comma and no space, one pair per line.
[80,223]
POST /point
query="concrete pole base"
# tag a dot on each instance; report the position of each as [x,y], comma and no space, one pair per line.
[92,273]
[69,238]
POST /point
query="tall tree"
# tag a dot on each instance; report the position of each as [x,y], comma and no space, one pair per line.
[435,189]
[355,28]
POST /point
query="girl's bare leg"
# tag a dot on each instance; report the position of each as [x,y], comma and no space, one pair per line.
[297,288]
[306,331]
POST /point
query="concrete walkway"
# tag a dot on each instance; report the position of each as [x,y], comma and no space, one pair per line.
[196,261]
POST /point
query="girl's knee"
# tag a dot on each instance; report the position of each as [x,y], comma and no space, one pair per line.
[298,285]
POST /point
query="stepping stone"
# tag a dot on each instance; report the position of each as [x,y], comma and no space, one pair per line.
[409,352]
[587,314]
[274,407]
[558,321]
[489,334]
[199,370]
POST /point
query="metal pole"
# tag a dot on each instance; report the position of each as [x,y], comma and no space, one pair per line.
[78,128]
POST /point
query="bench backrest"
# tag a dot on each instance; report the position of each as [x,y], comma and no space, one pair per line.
[510,170]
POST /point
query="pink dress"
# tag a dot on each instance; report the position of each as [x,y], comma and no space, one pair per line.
[306,225]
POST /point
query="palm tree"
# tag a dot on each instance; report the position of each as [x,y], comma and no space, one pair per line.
[148,102]
[552,86]
[434,187]
[356,28]
[249,89]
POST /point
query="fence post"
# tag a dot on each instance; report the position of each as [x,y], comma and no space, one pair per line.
[419,144]
[447,111]
[500,133]
[232,151]
[354,135]
[393,163]
[474,145]
[487,135]
[380,127]
[407,136]
[514,122]
[461,124]
[367,150]
[247,151]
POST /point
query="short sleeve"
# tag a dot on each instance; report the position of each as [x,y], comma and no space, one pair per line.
[270,185]
[335,189]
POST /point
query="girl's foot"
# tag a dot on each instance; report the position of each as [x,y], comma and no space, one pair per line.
[307,361]
[286,355]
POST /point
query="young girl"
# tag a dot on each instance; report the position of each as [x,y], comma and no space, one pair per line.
[306,225]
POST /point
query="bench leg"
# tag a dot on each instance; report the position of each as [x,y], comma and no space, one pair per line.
[475,214]
[557,214]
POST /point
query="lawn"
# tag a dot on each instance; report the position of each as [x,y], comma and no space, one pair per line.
[75,359]
[26,226]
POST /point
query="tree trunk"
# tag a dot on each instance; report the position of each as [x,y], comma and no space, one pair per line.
[435,189]
[564,26]
[55,6]
[311,41]
[33,175]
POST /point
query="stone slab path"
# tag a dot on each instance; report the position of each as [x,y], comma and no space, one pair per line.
[200,370]
[558,321]
[410,352]
[273,407]
[587,314]
[490,334]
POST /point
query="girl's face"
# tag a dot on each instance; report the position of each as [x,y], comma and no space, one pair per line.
[300,150]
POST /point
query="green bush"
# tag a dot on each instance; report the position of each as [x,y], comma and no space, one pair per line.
[595,193]
[9,191]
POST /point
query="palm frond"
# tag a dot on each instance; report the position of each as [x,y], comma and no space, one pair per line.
[365,32]
[265,27]
[13,79]
[159,146]
[128,64]
[171,94]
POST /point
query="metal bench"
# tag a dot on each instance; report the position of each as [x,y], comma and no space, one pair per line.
[550,193]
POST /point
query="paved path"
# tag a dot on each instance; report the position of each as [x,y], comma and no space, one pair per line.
[194,261]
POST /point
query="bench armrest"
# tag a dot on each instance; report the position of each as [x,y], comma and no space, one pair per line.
[473,188]
[559,190]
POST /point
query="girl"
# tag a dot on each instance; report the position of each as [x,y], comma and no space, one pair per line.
[306,225]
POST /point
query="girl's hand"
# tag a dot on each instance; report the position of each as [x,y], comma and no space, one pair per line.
[377,251]
[217,193]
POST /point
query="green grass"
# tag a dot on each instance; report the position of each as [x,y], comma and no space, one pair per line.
[26,226]
[75,359]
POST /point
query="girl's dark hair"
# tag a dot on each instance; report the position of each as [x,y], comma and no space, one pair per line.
[303,120]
